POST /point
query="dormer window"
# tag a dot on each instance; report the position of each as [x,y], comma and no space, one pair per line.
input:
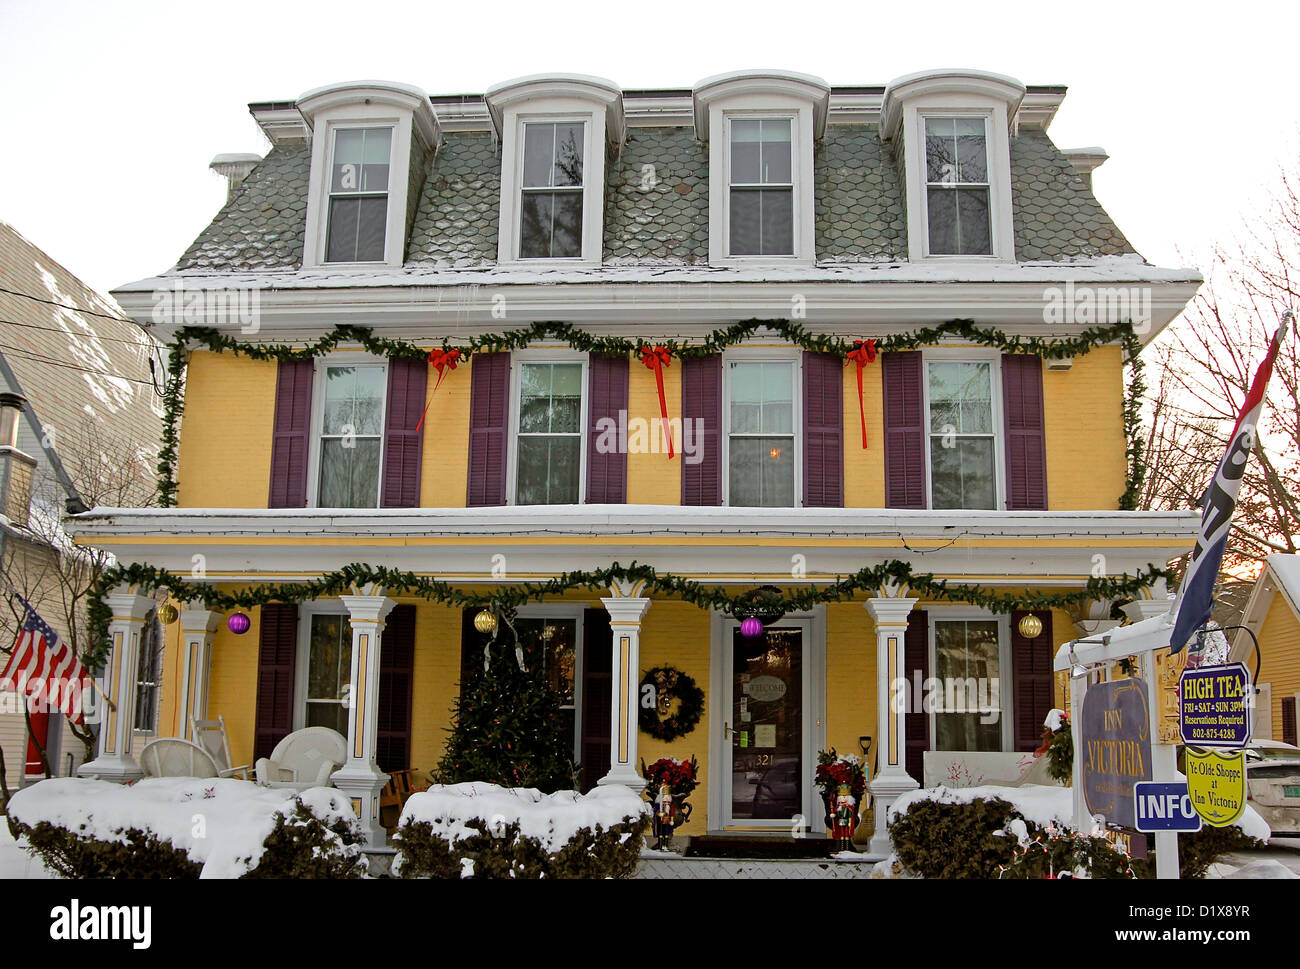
[761,215]
[358,211]
[370,141]
[556,132]
[550,210]
[950,129]
[957,186]
[761,127]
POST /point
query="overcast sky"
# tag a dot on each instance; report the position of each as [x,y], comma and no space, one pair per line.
[112,111]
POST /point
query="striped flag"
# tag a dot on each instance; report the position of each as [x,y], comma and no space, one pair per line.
[45,668]
[1196,594]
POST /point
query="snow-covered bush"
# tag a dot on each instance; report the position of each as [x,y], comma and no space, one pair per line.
[187,828]
[477,830]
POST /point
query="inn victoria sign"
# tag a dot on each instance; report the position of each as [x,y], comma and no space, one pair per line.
[1116,748]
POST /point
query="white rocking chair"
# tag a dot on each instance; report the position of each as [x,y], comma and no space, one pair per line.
[173,757]
[306,758]
[211,736]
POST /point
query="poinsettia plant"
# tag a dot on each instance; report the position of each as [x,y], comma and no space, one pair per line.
[835,769]
[680,776]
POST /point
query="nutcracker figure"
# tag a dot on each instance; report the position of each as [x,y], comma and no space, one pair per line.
[665,815]
[844,817]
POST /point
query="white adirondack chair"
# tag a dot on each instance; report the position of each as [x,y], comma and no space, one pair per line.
[306,758]
[172,757]
[211,736]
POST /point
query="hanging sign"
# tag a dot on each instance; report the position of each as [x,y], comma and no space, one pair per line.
[1165,807]
[1116,744]
[1216,782]
[1215,705]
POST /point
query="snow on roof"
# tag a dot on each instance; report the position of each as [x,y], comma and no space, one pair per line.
[1286,568]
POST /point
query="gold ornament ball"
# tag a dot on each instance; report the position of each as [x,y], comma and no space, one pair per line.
[486,621]
[1030,626]
[167,614]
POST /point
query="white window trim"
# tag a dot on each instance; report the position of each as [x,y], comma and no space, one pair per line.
[547,111]
[998,146]
[302,658]
[1006,680]
[775,106]
[763,355]
[546,355]
[558,610]
[968,355]
[347,358]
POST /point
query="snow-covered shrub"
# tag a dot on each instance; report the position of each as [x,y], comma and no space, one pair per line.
[478,830]
[953,840]
[186,828]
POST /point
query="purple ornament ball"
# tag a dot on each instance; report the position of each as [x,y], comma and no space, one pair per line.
[751,628]
[238,623]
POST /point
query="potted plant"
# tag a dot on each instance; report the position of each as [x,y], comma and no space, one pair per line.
[668,783]
[835,769]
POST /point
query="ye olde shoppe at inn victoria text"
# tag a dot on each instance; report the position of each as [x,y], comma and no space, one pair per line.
[887,326]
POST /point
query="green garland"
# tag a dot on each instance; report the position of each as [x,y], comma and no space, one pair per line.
[1135,447]
[208,338]
[146,579]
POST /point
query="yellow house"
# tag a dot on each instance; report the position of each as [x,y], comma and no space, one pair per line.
[1272,614]
[887,327]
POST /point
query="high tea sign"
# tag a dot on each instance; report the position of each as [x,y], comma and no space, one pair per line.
[1115,733]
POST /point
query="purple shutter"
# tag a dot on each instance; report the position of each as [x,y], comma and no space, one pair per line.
[1031,672]
[607,396]
[1022,410]
[403,444]
[916,723]
[396,688]
[901,375]
[823,430]
[489,414]
[597,694]
[290,434]
[702,402]
[277,646]
[1288,721]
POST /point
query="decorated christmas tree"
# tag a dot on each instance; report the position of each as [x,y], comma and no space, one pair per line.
[508,727]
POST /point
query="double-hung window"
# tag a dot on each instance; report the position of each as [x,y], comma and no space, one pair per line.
[329,671]
[760,434]
[351,435]
[148,673]
[761,188]
[358,205]
[963,445]
[551,189]
[957,186]
[968,665]
[548,455]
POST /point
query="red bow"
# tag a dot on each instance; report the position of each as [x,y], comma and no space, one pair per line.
[862,354]
[443,361]
[656,358]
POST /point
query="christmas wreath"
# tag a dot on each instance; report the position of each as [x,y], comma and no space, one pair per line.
[659,719]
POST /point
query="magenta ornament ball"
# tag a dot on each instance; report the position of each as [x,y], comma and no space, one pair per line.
[751,628]
[238,623]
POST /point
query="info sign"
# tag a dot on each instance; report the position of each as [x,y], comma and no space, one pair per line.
[1116,745]
[1215,706]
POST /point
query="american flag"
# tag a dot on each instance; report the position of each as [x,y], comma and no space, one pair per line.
[45,668]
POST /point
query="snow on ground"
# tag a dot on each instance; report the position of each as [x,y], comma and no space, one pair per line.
[221,822]
[17,863]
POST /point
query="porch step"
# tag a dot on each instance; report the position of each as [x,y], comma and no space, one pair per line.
[689,868]
[726,846]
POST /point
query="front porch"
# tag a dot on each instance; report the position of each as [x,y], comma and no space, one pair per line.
[819,677]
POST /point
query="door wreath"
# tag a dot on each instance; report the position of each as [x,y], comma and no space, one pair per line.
[660,687]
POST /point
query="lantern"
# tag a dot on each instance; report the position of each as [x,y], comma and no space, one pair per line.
[1030,626]
[167,614]
[751,628]
[238,623]
[486,621]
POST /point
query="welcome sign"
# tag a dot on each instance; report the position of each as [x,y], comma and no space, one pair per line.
[1116,747]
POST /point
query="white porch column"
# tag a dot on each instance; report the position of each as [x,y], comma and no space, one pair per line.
[197,629]
[626,608]
[360,778]
[890,616]
[113,760]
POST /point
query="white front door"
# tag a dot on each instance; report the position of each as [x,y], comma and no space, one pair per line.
[770,724]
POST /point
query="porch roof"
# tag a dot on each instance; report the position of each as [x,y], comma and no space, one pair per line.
[739,545]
